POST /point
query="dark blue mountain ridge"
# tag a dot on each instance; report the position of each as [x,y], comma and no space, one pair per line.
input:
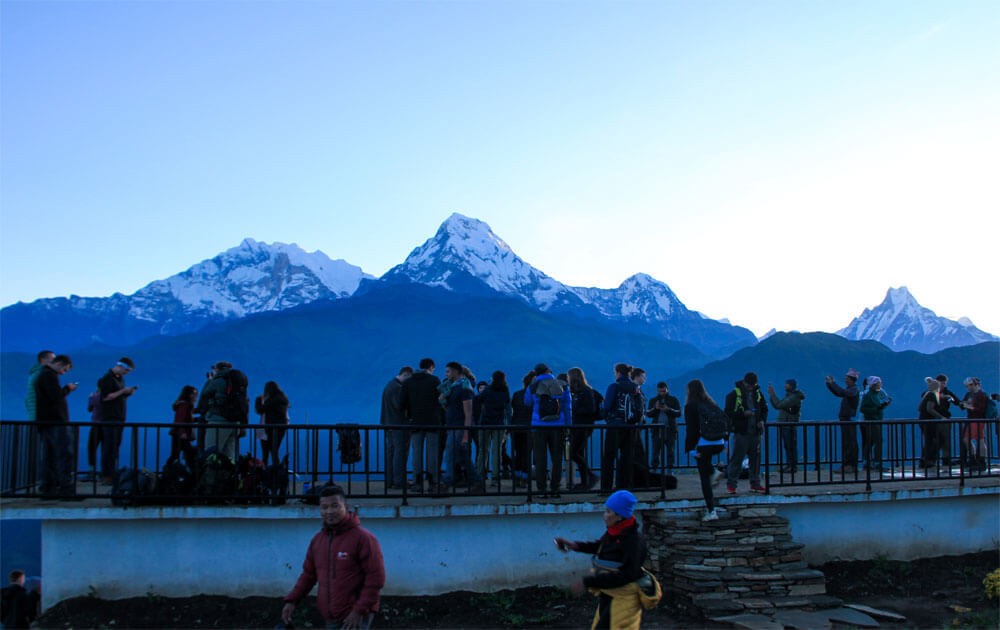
[809,357]
[333,357]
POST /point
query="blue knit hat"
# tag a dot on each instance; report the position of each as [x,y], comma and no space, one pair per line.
[621,503]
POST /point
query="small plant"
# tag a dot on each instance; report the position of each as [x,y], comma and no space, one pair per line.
[992,585]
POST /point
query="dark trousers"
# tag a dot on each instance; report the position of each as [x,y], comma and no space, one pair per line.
[937,438]
[548,444]
[578,454]
[790,445]
[871,444]
[616,458]
[180,446]
[706,470]
[520,442]
[111,440]
[397,450]
[849,442]
[664,443]
[58,453]
[93,442]
[270,446]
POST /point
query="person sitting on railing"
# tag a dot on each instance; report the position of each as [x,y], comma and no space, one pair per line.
[873,405]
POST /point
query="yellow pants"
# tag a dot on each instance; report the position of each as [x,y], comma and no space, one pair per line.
[626,611]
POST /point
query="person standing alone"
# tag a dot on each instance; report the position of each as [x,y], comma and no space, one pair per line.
[114,393]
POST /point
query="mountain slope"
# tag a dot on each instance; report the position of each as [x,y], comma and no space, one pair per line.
[250,278]
[466,256]
[334,357]
[901,323]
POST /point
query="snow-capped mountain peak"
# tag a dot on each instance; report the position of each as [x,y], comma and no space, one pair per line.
[901,323]
[466,250]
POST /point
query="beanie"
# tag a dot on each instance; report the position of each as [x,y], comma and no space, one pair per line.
[621,503]
[793,383]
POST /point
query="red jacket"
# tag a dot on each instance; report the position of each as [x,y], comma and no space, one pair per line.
[347,563]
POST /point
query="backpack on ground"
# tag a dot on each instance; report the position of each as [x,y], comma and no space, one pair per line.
[713,423]
[236,407]
[176,480]
[132,486]
[217,477]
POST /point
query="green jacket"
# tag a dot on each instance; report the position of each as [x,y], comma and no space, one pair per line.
[790,407]
[873,403]
[30,400]
[213,397]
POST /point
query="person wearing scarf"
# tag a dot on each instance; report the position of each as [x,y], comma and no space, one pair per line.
[620,554]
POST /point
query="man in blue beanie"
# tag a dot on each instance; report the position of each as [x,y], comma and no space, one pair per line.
[621,503]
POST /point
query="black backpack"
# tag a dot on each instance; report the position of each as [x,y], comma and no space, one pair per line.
[623,408]
[217,477]
[349,445]
[548,405]
[236,407]
[713,423]
[132,487]
[176,479]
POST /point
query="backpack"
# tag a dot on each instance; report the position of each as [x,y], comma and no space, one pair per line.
[131,486]
[349,445]
[218,475]
[236,407]
[991,408]
[548,405]
[176,479]
[622,409]
[585,404]
[713,423]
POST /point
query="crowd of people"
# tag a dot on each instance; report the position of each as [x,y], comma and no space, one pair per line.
[211,419]
[463,431]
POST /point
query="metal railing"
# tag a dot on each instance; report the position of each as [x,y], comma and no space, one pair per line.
[354,456]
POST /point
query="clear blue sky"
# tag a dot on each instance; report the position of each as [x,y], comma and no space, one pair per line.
[780,164]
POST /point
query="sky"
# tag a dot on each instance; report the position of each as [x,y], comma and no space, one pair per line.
[779,164]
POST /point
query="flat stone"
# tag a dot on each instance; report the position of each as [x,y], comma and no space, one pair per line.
[804,574]
[720,605]
[704,597]
[763,577]
[749,621]
[757,511]
[715,562]
[875,612]
[790,602]
[756,540]
[825,601]
[801,620]
[851,617]
[697,568]
[757,604]
[807,589]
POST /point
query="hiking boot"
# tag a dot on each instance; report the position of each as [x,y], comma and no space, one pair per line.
[710,515]
[730,489]
[759,489]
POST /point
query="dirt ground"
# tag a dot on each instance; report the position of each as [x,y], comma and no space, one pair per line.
[942,592]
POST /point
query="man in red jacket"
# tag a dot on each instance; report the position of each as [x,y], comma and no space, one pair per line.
[346,560]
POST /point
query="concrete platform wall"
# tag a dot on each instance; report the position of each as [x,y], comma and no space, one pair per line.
[432,549]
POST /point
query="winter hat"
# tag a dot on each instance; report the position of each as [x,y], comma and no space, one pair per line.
[874,380]
[853,373]
[793,383]
[621,503]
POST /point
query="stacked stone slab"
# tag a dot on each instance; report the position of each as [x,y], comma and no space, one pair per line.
[744,562]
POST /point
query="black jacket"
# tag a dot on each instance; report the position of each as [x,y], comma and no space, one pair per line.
[742,399]
[20,607]
[494,405]
[629,548]
[274,409]
[521,413]
[673,410]
[420,400]
[51,397]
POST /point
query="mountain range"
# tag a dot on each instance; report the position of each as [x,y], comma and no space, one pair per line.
[901,323]
[464,256]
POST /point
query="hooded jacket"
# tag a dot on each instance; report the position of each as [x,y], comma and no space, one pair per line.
[873,404]
[347,562]
[790,407]
[50,397]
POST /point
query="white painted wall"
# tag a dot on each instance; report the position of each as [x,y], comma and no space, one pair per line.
[432,549]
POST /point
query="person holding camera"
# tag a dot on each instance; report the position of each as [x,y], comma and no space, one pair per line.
[663,411]
[789,410]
